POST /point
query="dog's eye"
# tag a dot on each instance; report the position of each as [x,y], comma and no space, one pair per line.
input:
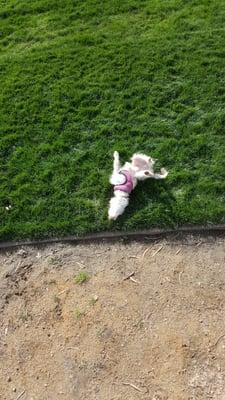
[147,173]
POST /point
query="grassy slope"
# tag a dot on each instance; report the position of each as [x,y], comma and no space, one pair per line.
[80,79]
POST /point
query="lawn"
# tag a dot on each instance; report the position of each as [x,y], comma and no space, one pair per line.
[80,79]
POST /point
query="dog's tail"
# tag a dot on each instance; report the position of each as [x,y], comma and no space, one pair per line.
[117,206]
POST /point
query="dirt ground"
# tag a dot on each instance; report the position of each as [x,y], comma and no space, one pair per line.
[158,335]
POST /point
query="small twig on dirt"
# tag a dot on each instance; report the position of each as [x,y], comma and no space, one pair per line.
[134,280]
[145,252]
[18,266]
[157,251]
[80,264]
[199,243]
[72,348]
[148,316]
[113,265]
[132,385]
[218,340]
[89,256]
[179,277]
[20,395]
[129,276]
[62,291]
[98,253]
[178,251]
[168,279]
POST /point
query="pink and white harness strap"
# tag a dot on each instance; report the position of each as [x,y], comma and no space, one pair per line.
[127,186]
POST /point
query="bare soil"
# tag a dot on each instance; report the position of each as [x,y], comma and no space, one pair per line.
[158,335]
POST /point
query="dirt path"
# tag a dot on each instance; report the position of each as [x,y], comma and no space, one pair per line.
[156,336]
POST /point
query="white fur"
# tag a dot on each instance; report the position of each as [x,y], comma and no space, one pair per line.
[140,168]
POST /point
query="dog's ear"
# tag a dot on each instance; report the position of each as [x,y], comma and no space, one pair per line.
[139,161]
[152,160]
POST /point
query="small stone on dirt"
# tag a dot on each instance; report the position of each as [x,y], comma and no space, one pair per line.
[22,253]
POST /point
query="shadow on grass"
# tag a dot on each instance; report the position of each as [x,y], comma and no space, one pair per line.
[152,204]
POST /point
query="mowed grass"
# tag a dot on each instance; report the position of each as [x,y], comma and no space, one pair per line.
[80,79]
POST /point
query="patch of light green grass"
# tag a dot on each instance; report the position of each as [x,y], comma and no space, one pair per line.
[81,278]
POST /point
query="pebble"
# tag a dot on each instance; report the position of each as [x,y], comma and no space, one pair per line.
[22,253]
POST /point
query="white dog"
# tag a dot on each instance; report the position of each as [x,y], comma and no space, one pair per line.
[126,178]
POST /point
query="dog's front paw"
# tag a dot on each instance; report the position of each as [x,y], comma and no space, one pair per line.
[116,154]
[164,172]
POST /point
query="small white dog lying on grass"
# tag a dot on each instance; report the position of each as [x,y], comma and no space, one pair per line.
[126,178]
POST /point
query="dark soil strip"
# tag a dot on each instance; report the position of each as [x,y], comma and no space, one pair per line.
[144,235]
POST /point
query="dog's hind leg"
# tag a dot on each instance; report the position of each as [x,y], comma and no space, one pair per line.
[116,178]
[116,162]
[117,205]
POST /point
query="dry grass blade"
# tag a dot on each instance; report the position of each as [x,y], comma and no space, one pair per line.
[145,252]
[63,291]
[80,264]
[180,276]
[157,251]
[20,395]
[218,340]
[132,385]
[129,276]
[134,280]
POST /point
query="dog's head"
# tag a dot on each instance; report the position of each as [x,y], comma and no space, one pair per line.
[141,162]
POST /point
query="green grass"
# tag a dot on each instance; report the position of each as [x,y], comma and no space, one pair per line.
[82,277]
[80,79]
[79,314]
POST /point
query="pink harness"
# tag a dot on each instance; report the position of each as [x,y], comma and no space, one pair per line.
[127,186]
